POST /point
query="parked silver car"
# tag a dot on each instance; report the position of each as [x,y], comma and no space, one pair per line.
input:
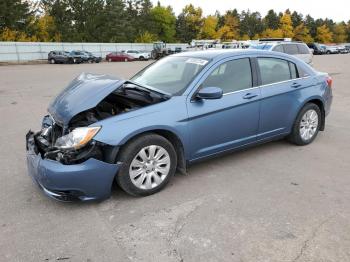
[331,49]
[140,55]
[298,49]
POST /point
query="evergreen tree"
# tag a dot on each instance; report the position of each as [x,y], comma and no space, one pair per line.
[251,23]
[297,19]
[271,20]
[14,14]
[116,22]
[309,22]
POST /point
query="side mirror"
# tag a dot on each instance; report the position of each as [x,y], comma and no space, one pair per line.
[210,93]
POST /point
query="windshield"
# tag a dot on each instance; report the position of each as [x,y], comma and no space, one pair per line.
[261,47]
[171,74]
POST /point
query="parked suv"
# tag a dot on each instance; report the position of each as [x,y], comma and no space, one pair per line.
[318,50]
[63,57]
[298,49]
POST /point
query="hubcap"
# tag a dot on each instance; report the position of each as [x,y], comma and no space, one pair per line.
[308,125]
[149,167]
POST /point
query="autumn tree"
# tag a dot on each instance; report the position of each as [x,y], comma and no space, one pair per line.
[146,37]
[324,35]
[286,25]
[340,33]
[272,33]
[46,30]
[301,33]
[208,30]
[230,28]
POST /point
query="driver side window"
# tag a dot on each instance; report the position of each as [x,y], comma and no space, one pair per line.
[231,76]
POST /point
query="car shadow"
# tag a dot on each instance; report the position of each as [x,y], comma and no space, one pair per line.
[196,169]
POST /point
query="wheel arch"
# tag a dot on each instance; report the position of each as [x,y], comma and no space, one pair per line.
[172,137]
[317,101]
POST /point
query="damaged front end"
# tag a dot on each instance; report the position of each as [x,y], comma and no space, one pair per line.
[63,158]
[55,144]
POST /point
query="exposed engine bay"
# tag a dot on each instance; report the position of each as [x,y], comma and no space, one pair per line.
[122,100]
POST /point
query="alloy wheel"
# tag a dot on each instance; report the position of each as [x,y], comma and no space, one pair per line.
[308,125]
[149,167]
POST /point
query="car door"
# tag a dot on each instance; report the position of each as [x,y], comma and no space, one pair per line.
[281,91]
[232,121]
[61,57]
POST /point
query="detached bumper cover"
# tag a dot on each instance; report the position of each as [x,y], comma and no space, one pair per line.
[90,180]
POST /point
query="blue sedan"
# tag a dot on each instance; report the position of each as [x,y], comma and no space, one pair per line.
[179,110]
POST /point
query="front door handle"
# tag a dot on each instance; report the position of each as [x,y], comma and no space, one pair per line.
[249,96]
[295,85]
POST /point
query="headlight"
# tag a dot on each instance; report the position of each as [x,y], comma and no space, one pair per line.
[78,138]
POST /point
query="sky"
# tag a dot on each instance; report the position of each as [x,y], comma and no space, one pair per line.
[338,10]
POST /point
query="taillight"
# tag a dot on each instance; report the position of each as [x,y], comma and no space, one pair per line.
[329,81]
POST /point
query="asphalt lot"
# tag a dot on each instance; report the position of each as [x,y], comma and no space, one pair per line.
[275,202]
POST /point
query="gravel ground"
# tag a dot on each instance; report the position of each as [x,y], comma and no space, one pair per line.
[275,202]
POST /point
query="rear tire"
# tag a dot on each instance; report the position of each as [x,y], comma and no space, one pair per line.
[149,162]
[306,125]
[126,60]
[52,61]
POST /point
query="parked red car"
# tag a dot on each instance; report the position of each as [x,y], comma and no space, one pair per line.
[119,56]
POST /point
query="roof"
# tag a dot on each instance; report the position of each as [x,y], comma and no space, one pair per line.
[222,53]
[210,54]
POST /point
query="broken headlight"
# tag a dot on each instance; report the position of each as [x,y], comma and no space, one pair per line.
[77,138]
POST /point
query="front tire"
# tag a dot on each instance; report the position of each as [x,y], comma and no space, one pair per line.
[149,162]
[306,125]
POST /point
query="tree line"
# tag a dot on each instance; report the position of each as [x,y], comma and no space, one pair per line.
[141,21]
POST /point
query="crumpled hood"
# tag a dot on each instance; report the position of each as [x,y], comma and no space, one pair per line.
[83,93]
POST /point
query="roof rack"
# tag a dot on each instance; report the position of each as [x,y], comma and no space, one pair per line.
[275,40]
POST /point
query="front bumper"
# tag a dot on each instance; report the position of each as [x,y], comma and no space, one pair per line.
[90,180]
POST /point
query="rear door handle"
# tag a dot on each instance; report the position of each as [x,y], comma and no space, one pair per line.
[295,85]
[249,96]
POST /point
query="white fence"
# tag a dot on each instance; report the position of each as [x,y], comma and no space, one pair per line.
[27,51]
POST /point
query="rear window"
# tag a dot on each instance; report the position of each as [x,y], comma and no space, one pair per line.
[273,70]
[278,48]
[303,49]
[291,49]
